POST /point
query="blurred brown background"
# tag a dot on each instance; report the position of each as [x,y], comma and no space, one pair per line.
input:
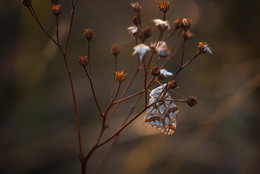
[37,123]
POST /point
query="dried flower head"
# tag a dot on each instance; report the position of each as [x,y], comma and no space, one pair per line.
[162,25]
[188,34]
[162,49]
[26,3]
[83,61]
[136,20]
[120,76]
[145,33]
[56,9]
[183,23]
[133,30]
[136,7]
[204,48]
[155,70]
[164,74]
[88,34]
[172,84]
[141,50]
[164,6]
[114,50]
[191,101]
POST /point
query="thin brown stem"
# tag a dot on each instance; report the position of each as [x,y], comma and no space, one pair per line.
[71,24]
[169,35]
[75,104]
[132,107]
[128,97]
[145,81]
[124,92]
[57,29]
[125,125]
[183,48]
[135,94]
[89,62]
[93,92]
[33,13]
[112,100]
[174,51]
[184,65]
[114,75]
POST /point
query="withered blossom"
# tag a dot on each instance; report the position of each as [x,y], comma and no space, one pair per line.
[141,50]
[204,48]
[162,25]
[133,30]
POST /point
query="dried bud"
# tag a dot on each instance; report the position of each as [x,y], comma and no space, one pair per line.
[183,23]
[191,101]
[26,3]
[114,50]
[164,6]
[136,7]
[136,20]
[146,33]
[56,9]
[204,48]
[188,35]
[120,76]
[155,70]
[172,84]
[83,61]
[88,34]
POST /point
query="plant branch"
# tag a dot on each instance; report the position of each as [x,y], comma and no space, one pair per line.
[113,85]
[33,13]
[93,92]
[71,24]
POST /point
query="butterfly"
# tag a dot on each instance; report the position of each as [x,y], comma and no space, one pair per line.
[162,114]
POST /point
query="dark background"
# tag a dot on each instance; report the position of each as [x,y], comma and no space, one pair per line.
[37,123]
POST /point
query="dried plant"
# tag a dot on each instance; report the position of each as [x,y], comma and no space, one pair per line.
[161,110]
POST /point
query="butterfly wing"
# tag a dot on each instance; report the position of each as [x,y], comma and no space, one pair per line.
[162,115]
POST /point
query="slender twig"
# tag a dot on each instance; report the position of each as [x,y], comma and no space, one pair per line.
[111,102]
[124,92]
[123,127]
[128,97]
[145,81]
[115,69]
[126,124]
[132,107]
[33,13]
[170,34]
[89,62]
[93,92]
[57,28]
[103,126]
[183,48]
[75,104]
[71,24]
[164,16]
[174,51]
[184,65]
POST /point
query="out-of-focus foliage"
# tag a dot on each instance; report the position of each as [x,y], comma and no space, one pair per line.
[37,124]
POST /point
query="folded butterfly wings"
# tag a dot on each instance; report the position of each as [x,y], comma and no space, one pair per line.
[163,113]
